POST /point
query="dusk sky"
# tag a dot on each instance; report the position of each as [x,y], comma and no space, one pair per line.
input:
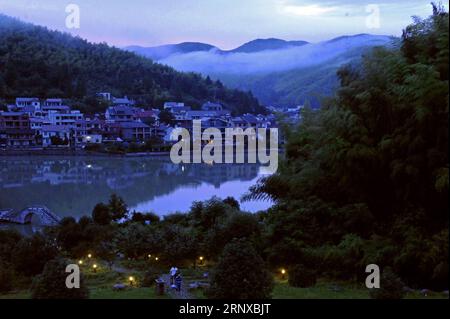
[224,23]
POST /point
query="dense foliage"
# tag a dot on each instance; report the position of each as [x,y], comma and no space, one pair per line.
[392,287]
[51,284]
[37,62]
[240,274]
[365,179]
[300,276]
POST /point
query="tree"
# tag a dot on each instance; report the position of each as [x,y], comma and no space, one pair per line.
[166,117]
[391,286]
[240,274]
[31,254]
[117,207]
[101,214]
[69,234]
[301,276]
[231,201]
[365,178]
[145,218]
[137,240]
[51,284]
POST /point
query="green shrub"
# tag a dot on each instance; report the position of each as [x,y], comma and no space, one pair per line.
[240,274]
[391,286]
[301,276]
[51,284]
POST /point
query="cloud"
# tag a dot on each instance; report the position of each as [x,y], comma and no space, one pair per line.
[309,10]
[218,63]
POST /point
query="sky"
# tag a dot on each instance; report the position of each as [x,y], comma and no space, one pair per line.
[224,23]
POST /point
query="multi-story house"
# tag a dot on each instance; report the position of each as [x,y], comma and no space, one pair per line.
[22,102]
[120,113]
[135,131]
[88,131]
[16,129]
[64,118]
[53,102]
[123,101]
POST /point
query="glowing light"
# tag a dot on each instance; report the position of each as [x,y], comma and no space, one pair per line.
[89,255]
[283,271]
[80,262]
[201,257]
[156,258]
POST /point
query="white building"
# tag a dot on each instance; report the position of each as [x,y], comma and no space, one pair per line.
[22,102]
[64,119]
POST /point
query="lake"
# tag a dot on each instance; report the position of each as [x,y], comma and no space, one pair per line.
[72,186]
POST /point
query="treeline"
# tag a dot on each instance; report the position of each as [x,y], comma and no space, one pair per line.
[365,179]
[35,61]
[112,230]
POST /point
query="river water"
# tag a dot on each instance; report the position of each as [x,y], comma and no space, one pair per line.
[72,186]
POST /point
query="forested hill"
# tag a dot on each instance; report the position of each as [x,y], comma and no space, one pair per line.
[35,61]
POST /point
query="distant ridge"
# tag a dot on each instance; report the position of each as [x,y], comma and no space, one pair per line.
[278,72]
[163,51]
[267,44]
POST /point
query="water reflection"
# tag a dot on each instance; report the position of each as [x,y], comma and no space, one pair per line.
[72,186]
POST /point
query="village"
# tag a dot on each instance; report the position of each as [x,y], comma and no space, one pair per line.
[32,123]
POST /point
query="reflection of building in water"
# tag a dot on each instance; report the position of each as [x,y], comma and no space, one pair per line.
[73,186]
[219,173]
[118,174]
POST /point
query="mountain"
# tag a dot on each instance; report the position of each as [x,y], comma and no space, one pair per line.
[164,51]
[35,61]
[266,44]
[278,72]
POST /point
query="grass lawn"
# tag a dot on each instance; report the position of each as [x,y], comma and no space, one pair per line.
[100,285]
[322,291]
[23,294]
[131,293]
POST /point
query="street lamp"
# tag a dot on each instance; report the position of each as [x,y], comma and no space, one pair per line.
[89,255]
[80,262]
[201,258]
[131,280]
[94,266]
[156,258]
[283,273]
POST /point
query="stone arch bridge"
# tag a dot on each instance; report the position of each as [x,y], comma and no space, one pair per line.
[25,215]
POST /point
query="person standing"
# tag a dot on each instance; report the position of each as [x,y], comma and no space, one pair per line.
[173,272]
[178,281]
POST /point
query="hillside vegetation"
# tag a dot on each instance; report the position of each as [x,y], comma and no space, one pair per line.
[35,61]
[365,179]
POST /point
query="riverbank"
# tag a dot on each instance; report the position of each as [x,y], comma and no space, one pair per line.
[77,153]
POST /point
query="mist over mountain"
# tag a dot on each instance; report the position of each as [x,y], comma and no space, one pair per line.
[35,61]
[164,51]
[278,72]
